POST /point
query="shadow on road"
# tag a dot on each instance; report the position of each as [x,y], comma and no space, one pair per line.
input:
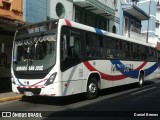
[61,101]
[118,89]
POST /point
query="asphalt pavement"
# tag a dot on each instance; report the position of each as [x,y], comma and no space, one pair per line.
[8,95]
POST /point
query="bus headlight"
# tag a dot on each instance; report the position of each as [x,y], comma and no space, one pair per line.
[51,79]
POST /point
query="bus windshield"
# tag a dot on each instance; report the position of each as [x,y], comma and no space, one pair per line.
[35,50]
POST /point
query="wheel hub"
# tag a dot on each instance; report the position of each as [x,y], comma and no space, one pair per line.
[92,88]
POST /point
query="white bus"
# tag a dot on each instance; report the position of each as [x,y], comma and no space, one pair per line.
[61,58]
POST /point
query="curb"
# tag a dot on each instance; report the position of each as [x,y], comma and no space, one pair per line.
[10,98]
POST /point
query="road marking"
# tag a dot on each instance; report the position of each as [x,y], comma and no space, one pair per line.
[144,90]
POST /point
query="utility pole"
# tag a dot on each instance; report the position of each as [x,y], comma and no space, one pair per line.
[148,20]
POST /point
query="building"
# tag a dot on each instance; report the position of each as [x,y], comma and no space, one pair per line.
[157,33]
[11,9]
[131,18]
[149,26]
[10,19]
[103,14]
[34,10]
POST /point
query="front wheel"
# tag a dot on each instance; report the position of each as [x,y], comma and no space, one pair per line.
[92,88]
[141,80]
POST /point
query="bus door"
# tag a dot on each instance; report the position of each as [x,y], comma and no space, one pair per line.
[71,66]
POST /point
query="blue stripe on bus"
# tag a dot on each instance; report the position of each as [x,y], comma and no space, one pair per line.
[20,82]
[99,31]
[132,73]
[151,69]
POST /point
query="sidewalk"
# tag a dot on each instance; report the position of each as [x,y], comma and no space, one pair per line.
[6,93]
[9,96]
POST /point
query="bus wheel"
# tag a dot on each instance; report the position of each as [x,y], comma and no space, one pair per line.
[92,88]
[141,80]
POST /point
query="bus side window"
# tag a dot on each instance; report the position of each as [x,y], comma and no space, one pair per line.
[111,48]
[152,54]
[63,47]
[135,51]
[143,52]
[94,46]
[70,51]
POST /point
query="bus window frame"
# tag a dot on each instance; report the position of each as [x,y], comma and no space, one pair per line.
[68,31]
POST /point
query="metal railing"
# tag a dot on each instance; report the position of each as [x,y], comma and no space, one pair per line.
[135,33]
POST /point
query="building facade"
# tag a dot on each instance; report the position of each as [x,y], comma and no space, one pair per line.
[131,18]
[34,10]
[157,33]
[103,14]
[149,26]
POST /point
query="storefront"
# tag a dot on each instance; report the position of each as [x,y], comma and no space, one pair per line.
[7,31]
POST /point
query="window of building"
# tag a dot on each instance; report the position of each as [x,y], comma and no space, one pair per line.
[115,3]
[138,27]
[6,5]
[60,10]
[157,24]
[114,29]
[91,19]
[133,26]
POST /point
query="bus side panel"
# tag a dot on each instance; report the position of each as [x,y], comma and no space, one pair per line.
[72,80]
[152,73]
[116,72]
[97,66]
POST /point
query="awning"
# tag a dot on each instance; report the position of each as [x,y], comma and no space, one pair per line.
[137,12]
[96,7]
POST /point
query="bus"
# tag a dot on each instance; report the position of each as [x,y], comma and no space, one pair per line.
[61,58]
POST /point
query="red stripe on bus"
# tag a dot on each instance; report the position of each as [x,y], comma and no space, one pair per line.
[110,77]
[68,23]
[40,82]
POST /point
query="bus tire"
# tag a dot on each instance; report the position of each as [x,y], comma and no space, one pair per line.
[141,80]
[92,88]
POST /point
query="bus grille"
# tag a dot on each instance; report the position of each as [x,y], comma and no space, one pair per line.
[35,91]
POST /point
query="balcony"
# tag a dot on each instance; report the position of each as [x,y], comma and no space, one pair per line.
[96,7]
[136,34]
[136,12]
[10,15]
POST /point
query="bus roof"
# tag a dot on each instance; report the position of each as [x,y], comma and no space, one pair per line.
[90,29]
[101,32]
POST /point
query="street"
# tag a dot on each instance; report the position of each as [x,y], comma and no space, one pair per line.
[125,101]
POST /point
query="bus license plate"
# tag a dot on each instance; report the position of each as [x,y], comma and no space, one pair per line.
[28,93]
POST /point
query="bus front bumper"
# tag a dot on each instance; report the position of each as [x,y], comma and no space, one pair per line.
[41,90]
